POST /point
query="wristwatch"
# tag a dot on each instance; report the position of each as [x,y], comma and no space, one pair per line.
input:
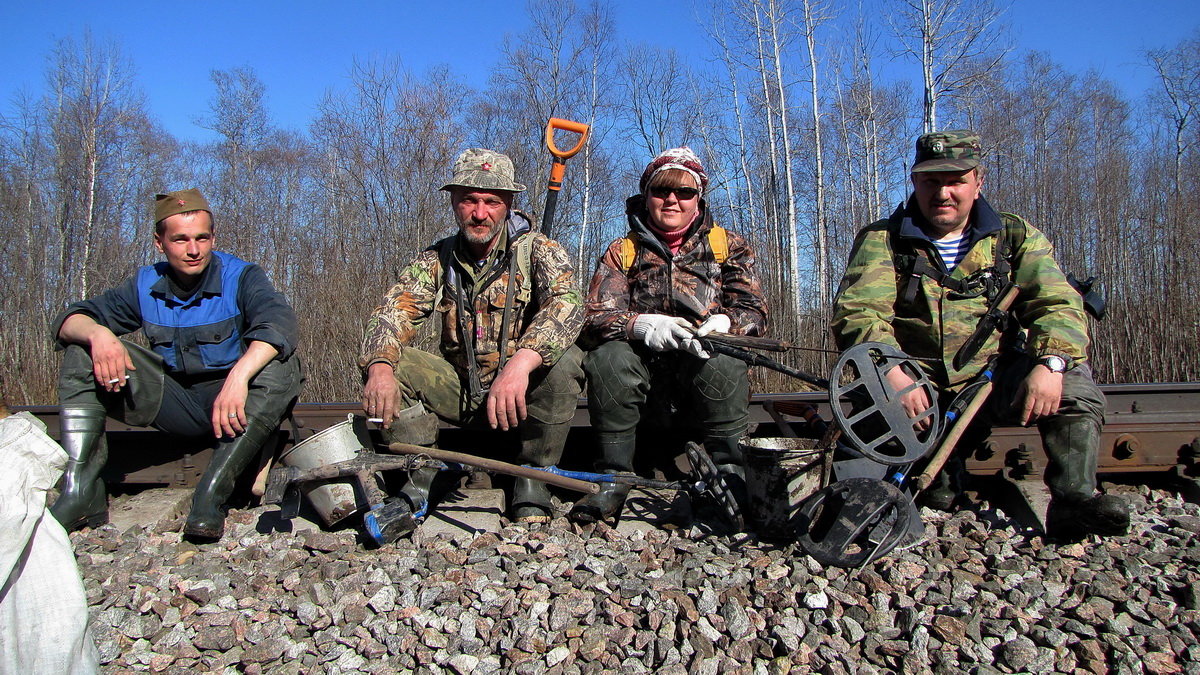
[1054,362]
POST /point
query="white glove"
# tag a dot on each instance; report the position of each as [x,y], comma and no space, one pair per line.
[717,323]
[661,332]
[692,346]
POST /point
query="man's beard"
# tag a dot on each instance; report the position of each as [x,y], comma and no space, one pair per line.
[478,238]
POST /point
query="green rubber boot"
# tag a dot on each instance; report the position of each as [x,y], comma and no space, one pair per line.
[206,521]
[541,446]
[82,501]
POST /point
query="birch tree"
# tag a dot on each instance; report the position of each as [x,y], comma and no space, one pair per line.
[943,36]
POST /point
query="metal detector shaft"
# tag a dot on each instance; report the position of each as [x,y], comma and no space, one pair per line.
[950,440]
[747,342]
[759,360]
[496,466]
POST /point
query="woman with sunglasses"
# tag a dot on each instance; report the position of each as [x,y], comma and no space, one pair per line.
[675,277]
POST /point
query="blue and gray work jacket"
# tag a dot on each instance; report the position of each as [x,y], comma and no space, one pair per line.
[205,333]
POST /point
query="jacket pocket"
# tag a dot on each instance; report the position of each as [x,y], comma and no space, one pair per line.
[162,342]
[219,343]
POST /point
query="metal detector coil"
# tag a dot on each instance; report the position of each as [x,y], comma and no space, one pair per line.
[868,410]
[855,521]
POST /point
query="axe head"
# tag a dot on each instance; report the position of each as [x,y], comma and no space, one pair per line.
[389,521]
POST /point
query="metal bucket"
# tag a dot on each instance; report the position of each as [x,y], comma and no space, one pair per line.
[342,441]
[780,474]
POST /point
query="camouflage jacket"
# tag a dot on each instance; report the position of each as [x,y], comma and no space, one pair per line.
[692,284]
[546,318]
[869,307]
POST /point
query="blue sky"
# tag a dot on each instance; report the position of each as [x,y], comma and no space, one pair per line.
[303,47]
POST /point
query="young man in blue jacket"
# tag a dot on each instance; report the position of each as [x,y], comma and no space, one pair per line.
[221,364]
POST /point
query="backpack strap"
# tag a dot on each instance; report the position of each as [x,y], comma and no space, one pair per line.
[627,254]
[524,261]
[1008,243]
[718,242]
[445,253]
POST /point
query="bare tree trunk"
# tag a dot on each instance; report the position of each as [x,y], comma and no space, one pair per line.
[811,21]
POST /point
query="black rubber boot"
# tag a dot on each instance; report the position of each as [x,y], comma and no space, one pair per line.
[616,456]
[206,521]
[1073,519]
[416,490]
[541,446]
[82,499]
[413,425]
[416,426]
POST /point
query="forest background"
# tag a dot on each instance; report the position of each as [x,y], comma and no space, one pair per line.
[804,113]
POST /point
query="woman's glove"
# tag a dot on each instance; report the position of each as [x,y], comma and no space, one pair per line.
[661,332]
[717,323]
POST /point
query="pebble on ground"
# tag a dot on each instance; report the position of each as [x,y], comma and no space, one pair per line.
[980,594]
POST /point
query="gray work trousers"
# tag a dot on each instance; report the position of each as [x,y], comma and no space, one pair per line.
[1070,438]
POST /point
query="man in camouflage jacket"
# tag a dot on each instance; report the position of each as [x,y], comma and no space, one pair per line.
[510,316]
[652,294]
[922,280]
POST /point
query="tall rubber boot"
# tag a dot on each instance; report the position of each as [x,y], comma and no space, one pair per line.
[541,446]
[82,500]
[616,456]
[206,521]
[1072,445]
[416,426]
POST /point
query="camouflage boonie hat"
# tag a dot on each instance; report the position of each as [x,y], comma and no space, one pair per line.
[955,150]
[485,170]
[181,201]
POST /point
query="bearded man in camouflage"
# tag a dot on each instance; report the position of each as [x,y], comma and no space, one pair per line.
[922,280]
[510,316]
[676,276]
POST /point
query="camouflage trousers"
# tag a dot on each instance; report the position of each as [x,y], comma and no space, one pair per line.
[550,402]
[176,405]
[1070,438]
[628,383]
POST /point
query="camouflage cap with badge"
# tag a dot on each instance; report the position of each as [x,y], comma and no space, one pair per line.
[170,203]
[484,170]
[954,150]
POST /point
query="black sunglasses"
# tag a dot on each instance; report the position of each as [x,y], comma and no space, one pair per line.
[682,193]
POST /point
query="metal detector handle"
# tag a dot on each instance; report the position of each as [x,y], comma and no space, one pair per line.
[559,168]
[495,466]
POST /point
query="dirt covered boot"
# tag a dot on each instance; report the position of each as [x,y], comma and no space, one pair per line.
[82,500]
[541,446]
[416,426]
[616,456]
[1073,519]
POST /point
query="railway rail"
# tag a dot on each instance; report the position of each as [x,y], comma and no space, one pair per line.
[1151,429]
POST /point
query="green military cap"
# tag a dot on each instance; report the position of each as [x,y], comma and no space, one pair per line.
[182,201]
[954,150]
[485,170]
